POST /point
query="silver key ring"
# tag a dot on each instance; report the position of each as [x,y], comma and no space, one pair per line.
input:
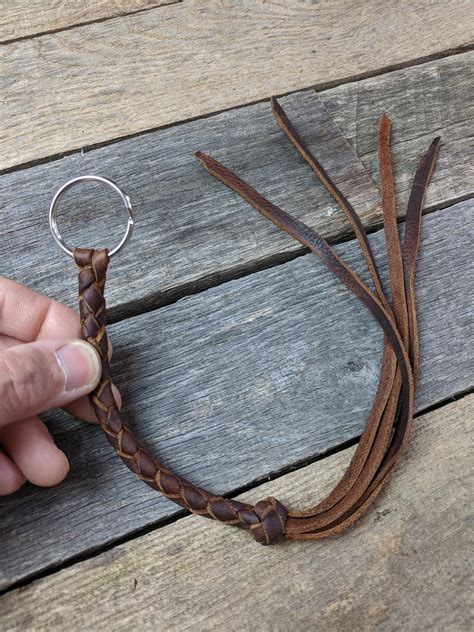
[53,224]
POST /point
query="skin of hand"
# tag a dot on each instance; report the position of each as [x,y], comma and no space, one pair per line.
[43,365]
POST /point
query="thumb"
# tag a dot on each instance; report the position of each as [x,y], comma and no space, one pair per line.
[46,374]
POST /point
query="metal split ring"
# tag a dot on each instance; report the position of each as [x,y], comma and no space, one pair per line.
[57,198]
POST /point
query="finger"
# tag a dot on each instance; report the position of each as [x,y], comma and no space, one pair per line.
[6,342]
[25,315]
[82,408]
[31,447]
[41,375]
[11,479]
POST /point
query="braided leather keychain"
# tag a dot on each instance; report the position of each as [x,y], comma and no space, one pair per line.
[389,422]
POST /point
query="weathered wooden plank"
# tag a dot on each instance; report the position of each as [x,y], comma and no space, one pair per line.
[437,93]
[142,71]
[20,19]
[190,230]
[283,363]
[403,567]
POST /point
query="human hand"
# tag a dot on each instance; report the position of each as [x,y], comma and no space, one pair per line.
[43,365]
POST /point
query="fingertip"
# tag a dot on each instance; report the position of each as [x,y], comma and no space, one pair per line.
[11,479]
[81,365]
[32,449]
[41,375]
[51,467]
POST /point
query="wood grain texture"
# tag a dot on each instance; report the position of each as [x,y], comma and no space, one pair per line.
[191,231]
[282,363]
[404,566]
[439,101]
[23,19]
[102,81]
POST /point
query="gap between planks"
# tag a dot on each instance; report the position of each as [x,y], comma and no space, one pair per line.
[21,26]
[137,307]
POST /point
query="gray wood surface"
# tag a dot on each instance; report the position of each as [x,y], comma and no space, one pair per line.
[103,81]
[282,363]
[191,231]
[22,19]
[431,99]
[403,568]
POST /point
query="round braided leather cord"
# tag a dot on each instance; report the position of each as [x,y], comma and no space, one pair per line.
[388,426]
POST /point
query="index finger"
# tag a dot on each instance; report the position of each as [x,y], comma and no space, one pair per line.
[28,316]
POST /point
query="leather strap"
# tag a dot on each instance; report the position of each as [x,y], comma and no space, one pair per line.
[388,425]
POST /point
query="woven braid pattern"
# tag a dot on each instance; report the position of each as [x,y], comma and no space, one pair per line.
[266,520]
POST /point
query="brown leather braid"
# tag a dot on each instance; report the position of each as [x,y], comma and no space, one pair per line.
[388,426]
[265,520]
